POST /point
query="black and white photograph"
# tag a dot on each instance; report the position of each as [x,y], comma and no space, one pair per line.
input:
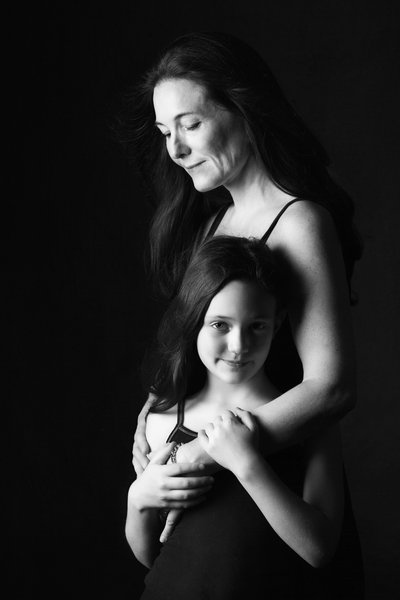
[203,297]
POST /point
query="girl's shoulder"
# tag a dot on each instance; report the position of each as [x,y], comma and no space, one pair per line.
[159,425]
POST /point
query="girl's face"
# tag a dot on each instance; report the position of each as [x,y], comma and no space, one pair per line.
[236,336]
[203,138]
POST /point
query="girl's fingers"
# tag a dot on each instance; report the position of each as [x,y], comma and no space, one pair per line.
[189,483]
[247,418]
[177,469]
[172,519]
[181,504]
[187,495]
[161,455]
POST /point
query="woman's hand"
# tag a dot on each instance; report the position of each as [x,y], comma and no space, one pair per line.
[167,486]
[231,438]
[141,447]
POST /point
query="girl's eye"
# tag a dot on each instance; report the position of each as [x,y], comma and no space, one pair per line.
[259,326]
[219,326]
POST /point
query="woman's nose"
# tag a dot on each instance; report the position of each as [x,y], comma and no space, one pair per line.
[177,147]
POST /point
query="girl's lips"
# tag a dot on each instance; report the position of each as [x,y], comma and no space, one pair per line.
[235,364]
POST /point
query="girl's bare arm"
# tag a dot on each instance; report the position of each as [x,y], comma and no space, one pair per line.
[310,524]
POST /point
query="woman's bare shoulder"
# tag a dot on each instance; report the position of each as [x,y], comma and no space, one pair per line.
[306,214]
[305,227]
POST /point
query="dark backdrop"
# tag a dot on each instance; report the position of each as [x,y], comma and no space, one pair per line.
[79,307]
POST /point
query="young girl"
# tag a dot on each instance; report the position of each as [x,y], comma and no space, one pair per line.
[264,524]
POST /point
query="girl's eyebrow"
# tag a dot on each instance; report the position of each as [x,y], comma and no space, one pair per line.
[260,317]
[179,116]
[219,317]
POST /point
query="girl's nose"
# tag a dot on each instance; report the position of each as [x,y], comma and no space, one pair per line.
[237,342]
[177,147]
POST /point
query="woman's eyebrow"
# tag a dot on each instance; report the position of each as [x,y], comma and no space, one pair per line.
[179,116]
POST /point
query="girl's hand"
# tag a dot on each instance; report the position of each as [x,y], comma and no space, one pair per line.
[231,439]
[141,447]
[166,486]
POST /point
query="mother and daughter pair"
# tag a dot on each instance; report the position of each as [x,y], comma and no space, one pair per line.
[241,428]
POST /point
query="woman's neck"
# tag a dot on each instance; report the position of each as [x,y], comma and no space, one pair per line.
[253,188]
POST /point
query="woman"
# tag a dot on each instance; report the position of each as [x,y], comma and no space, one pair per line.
[225,153]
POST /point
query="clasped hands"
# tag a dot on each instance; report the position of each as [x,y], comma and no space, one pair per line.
[228,440]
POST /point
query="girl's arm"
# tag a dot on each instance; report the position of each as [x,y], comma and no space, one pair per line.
[160,486]
[309,525]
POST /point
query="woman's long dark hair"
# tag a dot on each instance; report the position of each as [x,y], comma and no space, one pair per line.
[238,78]
[174,370]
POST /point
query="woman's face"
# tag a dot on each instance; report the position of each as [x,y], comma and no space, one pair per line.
[236,335]
[202,137]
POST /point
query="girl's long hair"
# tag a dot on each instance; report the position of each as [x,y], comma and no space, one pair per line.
[173,370]
[239,79]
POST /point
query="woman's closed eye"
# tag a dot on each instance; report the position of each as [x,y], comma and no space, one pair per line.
[165,133]
[192,126]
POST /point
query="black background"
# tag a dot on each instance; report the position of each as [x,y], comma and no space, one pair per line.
[79,307]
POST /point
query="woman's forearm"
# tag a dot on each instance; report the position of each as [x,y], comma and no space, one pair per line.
[302,411]
[294,416]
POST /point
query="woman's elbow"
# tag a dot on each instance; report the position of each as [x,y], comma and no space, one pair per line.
[320,548]
[342,397]
[320,555]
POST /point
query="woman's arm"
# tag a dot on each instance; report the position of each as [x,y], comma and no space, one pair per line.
[141,447]
[309,525]
[307,250]
[160,486]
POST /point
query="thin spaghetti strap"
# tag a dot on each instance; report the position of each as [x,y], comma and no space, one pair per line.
[181,412]
[217,220]
[278,216]
[179,420]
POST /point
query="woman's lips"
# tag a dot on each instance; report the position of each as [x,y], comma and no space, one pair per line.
[190,167]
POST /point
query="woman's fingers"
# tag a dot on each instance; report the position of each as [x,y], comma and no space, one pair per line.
[140,443]
[138,466]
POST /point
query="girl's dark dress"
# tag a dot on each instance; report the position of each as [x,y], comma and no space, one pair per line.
[224,549]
